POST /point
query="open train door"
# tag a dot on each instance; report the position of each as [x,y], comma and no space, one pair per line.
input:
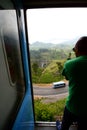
[16,96]
[25,117]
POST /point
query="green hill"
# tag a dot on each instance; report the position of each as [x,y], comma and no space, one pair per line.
[62,45]
[47,60]
[49,74]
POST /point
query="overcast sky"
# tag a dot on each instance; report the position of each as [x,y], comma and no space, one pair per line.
[56,25]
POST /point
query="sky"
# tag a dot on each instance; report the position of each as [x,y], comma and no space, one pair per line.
[55,25]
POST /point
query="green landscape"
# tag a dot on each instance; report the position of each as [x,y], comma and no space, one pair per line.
[49,111]
[47,62]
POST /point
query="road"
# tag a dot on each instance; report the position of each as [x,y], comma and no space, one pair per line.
[45,91]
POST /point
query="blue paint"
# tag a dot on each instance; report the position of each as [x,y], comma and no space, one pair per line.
[25,117]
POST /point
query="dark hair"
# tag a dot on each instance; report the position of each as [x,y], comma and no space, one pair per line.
[81,45]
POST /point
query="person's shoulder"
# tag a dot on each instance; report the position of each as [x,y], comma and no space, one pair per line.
[71,61]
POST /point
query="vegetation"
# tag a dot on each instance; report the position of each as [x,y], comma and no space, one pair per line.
[50,111]
[46,67]
[47,64]
[51,73]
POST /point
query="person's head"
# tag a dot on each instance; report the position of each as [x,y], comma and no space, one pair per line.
[80,48]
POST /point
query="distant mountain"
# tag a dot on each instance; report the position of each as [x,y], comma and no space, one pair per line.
[64,45]
[40,45]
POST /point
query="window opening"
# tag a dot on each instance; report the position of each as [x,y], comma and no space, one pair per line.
[52,33]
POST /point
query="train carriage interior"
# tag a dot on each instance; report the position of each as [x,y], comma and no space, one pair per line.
[16,92]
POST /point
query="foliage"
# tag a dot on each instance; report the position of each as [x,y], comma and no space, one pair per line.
[48,54]
[48,112]
[47,64]
[47,77]
[60,68]
[35,67]
[49,74]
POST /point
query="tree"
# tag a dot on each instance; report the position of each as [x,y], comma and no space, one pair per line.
[35,67]
[60,68]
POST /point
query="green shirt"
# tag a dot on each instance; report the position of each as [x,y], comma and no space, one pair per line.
[75,71]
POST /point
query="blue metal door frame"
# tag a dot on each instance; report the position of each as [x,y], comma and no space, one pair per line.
[25,117]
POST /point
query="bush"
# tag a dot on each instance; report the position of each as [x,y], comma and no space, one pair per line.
[48,112]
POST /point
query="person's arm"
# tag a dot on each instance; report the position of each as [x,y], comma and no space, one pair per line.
[64,73]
